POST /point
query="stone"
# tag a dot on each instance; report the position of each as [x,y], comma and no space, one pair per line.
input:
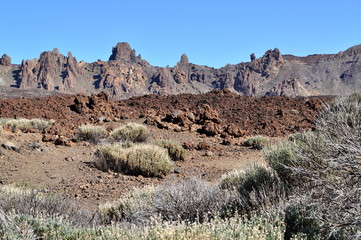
[123,52]
[10,146]
[184,59]
[5,60]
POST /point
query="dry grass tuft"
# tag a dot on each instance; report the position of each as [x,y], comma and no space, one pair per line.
[175,150]
[132,132]
[144,159]
[91,133]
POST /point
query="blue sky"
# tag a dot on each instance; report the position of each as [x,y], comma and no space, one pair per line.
[211,33]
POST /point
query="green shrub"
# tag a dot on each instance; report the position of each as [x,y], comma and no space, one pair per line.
[189,200]
[255,228]
[136,207]
[257,142]
[145,159]
[254,188]
[25,125]
[175,150]
[131,132]
[29,201]
[298,221]
[91,133]
[281,157]
[1,130]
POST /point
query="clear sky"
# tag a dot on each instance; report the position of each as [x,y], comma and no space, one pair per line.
[211,33]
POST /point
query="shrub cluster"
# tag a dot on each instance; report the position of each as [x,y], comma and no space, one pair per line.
[25,125]
[188,200]
[29,201]
[323,167]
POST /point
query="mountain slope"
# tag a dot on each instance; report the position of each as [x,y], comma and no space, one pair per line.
[126,74]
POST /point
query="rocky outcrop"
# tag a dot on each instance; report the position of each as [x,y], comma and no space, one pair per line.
[5,60]
[127,74]
[124,53]
[52,71]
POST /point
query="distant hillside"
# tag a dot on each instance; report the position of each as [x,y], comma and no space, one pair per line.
[127,74]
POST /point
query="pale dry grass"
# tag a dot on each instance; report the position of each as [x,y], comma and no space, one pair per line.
[144,159]
[91,133]
[133,132]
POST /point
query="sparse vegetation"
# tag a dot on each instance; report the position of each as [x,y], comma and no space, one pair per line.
[145,159]
[131,132]
[136,207]
[91,133]
[189,200]
[254,188]
[281,157]
[175,150]
[14,226]
[327,170]
[257,142]
[26,125]
[29,201]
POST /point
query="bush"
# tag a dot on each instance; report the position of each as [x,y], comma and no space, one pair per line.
[189,200]
[281,157]
[131,132]
[31,202]
[328,167]
[91,133]
[254,188]
[298,221]
[1,130]
[257,142]
[25,125]
[255,228]
[136,207]
[175,150]
[147,160]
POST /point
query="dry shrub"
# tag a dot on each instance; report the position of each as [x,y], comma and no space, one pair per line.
[281,157]
[91,133]
[29,201]
[257,142]
[136,207]
[145,159]
[255,188]
[189,200]
[175,150]
[131,132]
[329,167]
[25,125]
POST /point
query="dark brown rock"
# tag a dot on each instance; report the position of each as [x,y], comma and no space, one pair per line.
[123,52]
[5,60]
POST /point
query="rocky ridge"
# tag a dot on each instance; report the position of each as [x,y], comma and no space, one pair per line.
[126,74]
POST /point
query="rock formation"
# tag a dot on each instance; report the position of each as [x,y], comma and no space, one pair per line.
[5,60]
[126,74]
[52,71]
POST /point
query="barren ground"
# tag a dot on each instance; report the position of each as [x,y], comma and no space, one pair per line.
[69,168]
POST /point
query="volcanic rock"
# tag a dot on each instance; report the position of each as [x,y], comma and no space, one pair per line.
[127,75]
[5,60]
[123,52]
